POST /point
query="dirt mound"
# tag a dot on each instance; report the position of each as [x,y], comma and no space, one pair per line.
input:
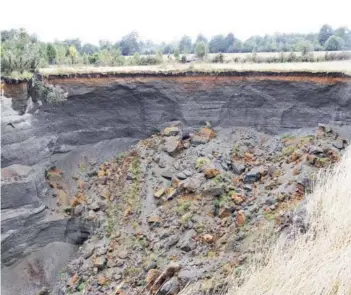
[179,208]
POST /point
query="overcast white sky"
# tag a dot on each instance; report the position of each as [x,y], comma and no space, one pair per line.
[168,20]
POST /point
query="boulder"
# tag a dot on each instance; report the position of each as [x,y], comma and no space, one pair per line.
[240,218]
[187,242]
[167,174]
[171,287]
[171,144]
[253,175]
[215,191]
[100,262]
[315,150]
[203,136]
[211,173]
[158,194]
[181,176]
[171,131]
[238,168]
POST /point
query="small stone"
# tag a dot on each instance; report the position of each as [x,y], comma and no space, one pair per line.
[213,192]
[240,218]
[238,168]
[315,150]
[248,187]
[100,262]
[167,174]
[238,199]
[171,193]
[311,159]
[224,166]
[91,215]
[181,175]
[338,144]
[171,131]
[158,194]
[203,136]
[101,251]
[78,210]
[186,243]
[188,172]
[171,144]
[88,251]
[224,212]
[73,281]
[95,206]
[171,287]
[208,238]
[122,254]
[102,280]
[154,219]
[210,173]
[253,175]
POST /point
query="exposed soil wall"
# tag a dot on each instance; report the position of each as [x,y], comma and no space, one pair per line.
[105,113]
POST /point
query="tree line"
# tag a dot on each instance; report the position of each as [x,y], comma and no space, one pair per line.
[21,51]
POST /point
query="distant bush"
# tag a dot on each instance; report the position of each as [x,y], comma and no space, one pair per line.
[218,58]
[337,56]
[183,59]
[334,43]
[149,60]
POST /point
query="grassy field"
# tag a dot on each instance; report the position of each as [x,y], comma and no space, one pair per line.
[330,66]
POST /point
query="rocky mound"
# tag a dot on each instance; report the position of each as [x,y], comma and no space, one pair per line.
[181,207]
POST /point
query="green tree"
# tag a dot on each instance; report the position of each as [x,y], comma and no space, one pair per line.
[218,43]
[129,44]
[201,38]
[74,42]
[201,49]
[229,42]
[89,48]
[324,33]
[72,53]
[176,54]
[304,47]
[334,43]
[185,44]
[51,53]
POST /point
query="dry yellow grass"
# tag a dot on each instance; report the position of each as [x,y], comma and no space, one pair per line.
[317,262]
[330,66]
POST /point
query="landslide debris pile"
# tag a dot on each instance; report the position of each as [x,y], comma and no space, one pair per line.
[182,207]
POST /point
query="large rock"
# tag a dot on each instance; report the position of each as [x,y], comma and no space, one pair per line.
[171,144]
[187,242]
[253,175]
[171,287]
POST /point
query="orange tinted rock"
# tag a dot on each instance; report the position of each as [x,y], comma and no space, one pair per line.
[240,218]
[210,173]
[154,219]
[101,280]
[158,194]
[73,280]
[311,159]
[208,238]
[224,212]
[238,199]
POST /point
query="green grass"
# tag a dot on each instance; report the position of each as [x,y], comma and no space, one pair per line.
[204,67]
[18,75]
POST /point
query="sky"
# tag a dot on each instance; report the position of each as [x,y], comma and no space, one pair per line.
[168,21]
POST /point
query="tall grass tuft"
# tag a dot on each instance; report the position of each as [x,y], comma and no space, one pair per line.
[317,261]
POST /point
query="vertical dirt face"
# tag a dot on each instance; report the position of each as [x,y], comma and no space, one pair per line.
[103,108]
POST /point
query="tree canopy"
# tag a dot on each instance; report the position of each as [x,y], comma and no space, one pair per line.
[21,51]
